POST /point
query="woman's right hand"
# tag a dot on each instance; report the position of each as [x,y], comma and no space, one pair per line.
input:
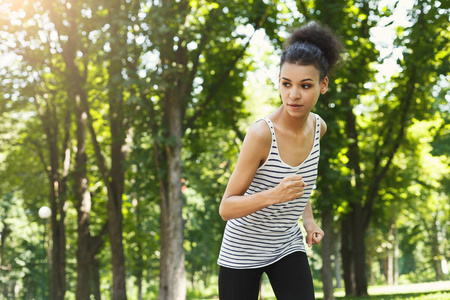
[290,188]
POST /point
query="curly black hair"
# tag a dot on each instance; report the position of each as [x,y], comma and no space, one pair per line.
[313,44]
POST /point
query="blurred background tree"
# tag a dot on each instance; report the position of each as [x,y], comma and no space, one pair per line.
[126,118]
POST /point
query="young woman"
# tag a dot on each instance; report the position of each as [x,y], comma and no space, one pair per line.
[275,174]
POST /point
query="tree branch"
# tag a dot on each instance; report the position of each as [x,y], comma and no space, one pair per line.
[98,154]
[225,75]
[373,188]
[303,10]
[96,242]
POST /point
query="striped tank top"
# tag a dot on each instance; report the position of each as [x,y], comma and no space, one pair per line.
[267,235]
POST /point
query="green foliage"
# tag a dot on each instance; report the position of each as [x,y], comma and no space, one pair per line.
[207,169]
[199,50]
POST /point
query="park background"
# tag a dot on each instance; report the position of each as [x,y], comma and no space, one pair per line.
[124,118]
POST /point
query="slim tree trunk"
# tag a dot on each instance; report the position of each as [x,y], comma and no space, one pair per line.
[396,255]
[58,176]
[436,253]
[372,275]
[139,285]
[87,245]
[115,192]
[83,198]
[337,264]
[359,253]
[387,266]
[327,250]
[172,271]
[357,214]
[3,268]
[58,257]
[115,221]
[57,181]
[389,259]
[138,254]
[95,278]
[58,276]
[347,253]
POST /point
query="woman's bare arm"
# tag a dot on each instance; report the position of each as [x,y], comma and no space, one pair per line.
[254,152]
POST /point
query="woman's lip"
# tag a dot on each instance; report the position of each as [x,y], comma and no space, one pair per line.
[295,106]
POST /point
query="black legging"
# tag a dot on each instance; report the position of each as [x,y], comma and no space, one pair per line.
[290,278]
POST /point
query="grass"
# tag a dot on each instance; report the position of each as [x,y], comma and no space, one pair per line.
[409,296]
[430,291]
[420,291]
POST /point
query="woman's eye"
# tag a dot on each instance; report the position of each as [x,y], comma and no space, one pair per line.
[286,84]
[306,86]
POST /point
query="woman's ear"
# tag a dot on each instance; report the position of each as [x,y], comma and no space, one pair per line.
[324,85]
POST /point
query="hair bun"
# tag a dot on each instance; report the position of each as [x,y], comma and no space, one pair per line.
[320,36]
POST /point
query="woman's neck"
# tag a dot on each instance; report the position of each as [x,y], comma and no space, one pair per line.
[282,118]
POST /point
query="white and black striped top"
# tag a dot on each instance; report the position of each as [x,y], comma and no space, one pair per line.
[267,235]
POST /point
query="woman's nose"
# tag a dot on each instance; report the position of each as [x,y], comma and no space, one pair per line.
[294,94]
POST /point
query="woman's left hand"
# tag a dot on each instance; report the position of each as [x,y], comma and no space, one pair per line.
[314,234]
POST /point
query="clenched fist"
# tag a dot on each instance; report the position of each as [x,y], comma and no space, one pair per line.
[290,188]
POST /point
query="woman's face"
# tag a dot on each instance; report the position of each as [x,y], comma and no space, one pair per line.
[300,88]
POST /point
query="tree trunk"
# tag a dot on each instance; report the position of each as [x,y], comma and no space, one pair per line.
[83,198]
[6,230]
[139,286]
[115,191]
[389,259]
[58,257]
[327,250]
[396,255]
[337,264]
[347,253]
[88,246]
[57,182]
[117,253]
[436,254]
[172,271]
[95,278]
[372,275]
[387,266]
[354,253]
[359,253]
[356,218]
[139,254]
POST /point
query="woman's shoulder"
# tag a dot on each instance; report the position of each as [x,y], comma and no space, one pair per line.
[323,125]
[259,132]
[255,147]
